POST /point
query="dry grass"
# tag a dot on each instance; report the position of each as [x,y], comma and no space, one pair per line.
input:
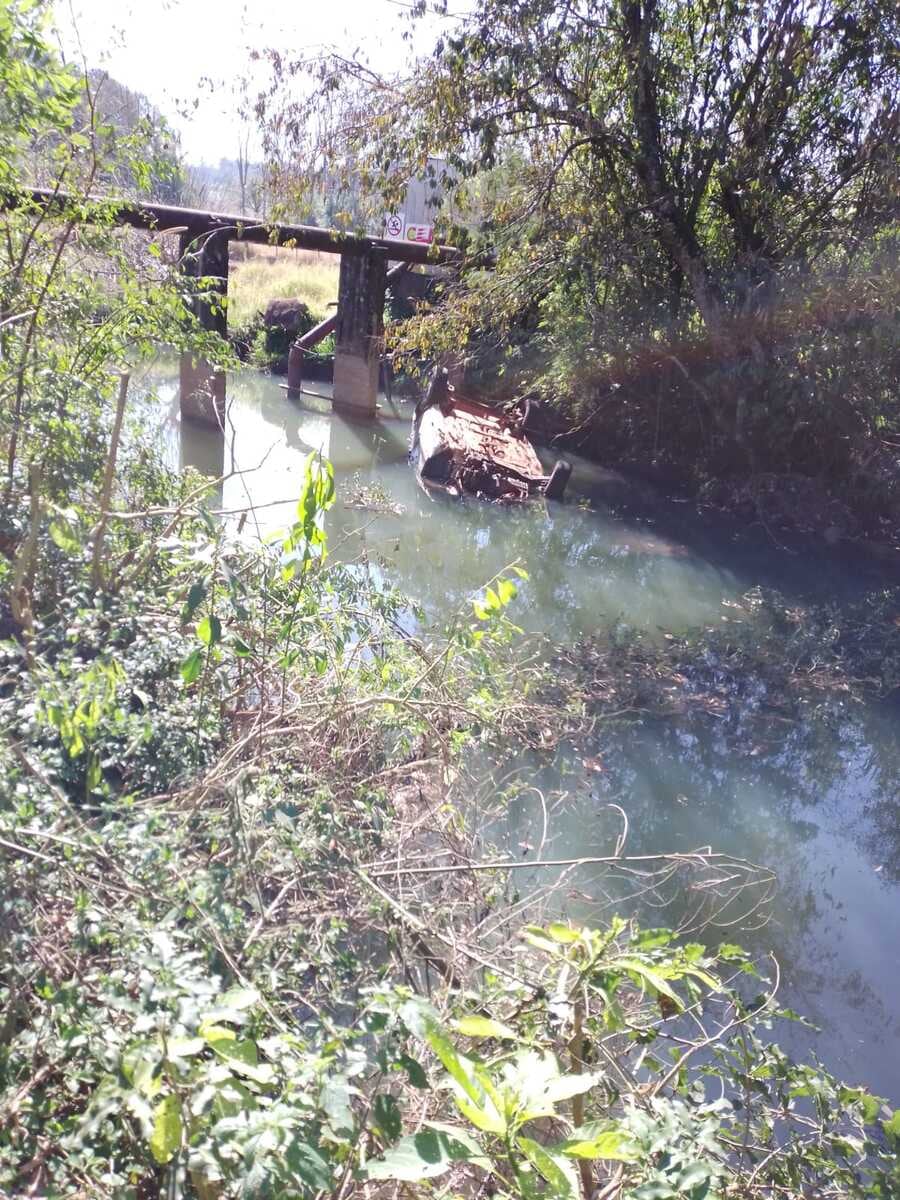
[263,273]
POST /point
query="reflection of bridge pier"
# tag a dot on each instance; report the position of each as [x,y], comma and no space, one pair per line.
[202,426]
[350,448]
[267,437]
[202,392]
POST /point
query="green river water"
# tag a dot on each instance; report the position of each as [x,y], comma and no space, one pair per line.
[820,807]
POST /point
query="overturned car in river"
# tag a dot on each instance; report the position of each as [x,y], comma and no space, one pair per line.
[465,448]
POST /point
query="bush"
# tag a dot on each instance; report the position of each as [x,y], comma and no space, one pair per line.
[267,338]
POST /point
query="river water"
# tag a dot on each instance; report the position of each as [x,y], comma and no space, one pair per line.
[819,805]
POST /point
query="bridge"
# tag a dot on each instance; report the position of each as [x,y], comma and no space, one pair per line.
[204,240]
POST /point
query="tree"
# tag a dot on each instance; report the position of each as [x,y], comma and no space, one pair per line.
[725,141]
[123,121]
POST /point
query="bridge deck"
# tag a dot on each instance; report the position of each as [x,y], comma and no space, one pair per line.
[145,214]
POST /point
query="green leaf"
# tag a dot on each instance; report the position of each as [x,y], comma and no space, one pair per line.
[457,1065]
[652,939]
[210,1031]
[93,773]
[463,1137]
[536,1082]
[233,1097]
[537,937]
[415,1072]
[473,1091]
[704,976]
[425,1155]
[304,1160]
[599,1140]
[484,1027]
[568,1086]
[64,536]
[387,1116]
[563,933]
[185,1047]
[648,975]
[487,1118]
[209,631]
[238,998]
[506,591]
[140,1068]
[195,597]
[165,1140]
[560,1174]
[696,1175]
[892,1126]
[241,1056]
[192,666]
[335,1102]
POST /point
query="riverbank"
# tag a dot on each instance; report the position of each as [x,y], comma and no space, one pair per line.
[619,565]
[788,418]
[291,802]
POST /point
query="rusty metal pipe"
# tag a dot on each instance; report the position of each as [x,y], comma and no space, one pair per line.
[319,332]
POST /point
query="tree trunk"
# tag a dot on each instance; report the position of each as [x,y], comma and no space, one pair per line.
[675,233]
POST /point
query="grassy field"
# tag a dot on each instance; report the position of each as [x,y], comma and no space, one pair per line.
[262,273]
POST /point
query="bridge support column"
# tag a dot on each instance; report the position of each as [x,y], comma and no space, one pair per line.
[205,255]
[359,335]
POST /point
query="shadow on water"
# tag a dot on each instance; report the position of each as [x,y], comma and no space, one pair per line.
[817,801]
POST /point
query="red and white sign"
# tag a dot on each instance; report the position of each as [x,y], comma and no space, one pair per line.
[423,234]
[394,227]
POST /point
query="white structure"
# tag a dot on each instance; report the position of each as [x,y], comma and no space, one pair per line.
[424,196]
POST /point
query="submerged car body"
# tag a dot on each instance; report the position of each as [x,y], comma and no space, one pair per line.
[462,447]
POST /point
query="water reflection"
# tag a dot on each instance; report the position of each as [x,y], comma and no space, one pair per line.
[817,802]
[819,806]
[614,550]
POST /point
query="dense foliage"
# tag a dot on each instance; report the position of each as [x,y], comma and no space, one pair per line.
[704,145]
[251,944]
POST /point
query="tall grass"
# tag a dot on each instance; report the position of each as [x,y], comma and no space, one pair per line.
[263,273]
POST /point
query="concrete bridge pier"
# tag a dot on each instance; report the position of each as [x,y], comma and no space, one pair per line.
[359,332]
[203,388]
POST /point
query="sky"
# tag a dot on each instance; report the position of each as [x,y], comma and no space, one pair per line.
[187,56]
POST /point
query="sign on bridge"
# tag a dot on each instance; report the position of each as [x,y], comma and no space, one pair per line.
[393,227]
[398,229]
[422,234]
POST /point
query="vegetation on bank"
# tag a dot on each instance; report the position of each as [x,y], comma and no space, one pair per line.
[261,273]
[306,280]
[253,941]
[766,661]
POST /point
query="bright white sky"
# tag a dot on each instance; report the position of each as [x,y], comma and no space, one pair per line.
[182,53]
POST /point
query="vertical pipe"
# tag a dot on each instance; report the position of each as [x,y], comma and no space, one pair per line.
[295,368]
